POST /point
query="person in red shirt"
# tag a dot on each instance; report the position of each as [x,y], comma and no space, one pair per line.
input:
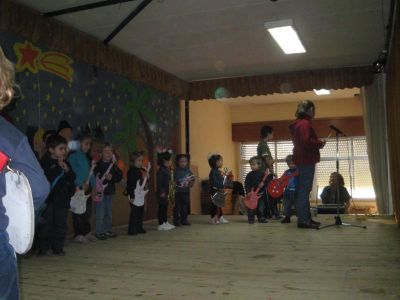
[305,155]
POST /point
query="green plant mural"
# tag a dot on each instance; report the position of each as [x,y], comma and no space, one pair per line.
[137,111]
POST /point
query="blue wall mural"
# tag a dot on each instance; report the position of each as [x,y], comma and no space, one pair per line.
[54,87]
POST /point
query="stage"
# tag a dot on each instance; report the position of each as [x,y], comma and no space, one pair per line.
[233,261]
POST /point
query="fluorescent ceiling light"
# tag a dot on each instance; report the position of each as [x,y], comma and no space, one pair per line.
[322,92]
[286,36]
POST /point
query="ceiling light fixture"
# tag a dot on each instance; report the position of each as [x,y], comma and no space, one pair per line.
[322,92]
[286,36]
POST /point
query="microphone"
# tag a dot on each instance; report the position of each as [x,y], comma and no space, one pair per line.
[336,129]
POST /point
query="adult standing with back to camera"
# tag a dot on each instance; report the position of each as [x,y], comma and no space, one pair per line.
[305,155]
[15,145]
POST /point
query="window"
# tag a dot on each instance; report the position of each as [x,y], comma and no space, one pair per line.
[353,164]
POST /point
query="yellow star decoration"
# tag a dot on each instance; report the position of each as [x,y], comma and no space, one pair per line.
[61,99]
[50,83]
[62,91]
[48,97]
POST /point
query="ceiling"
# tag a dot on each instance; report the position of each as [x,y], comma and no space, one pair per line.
[204,39]
[292,97]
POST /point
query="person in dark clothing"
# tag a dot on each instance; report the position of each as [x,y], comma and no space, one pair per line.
[254,179]
[163,191]
[336,188]
[53,230]
[289,196]
[136,174]
[15,145]
[184,180]
[216,179]
[106,169]
[305,155]
[81,165]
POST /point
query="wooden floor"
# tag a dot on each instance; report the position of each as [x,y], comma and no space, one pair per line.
[233,261]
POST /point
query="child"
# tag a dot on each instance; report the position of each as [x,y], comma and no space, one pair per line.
[289,196]
[163,182]
[81,165]
[254,179]
[104,206]
[184,180]
[59,173]
[135,174]
[263,151]
[267,163]
[216,184]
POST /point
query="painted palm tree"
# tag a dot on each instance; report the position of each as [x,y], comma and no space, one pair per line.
[137,111]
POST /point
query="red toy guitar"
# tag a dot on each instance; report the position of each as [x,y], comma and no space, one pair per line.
[277,186]
[251,199]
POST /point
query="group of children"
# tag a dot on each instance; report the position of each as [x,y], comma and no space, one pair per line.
[261,174]
[70,172]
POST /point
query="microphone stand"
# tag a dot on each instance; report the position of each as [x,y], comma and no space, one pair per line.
[338,219]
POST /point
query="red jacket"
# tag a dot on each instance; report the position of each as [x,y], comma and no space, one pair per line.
[305,141]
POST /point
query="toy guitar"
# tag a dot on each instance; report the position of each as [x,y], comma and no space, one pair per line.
[219,198]
[100,186]
[78,200]
[251,199]
[277,186]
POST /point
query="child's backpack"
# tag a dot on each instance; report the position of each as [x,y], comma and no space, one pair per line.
[18,202]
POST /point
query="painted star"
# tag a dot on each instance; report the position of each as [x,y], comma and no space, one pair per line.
[27,55]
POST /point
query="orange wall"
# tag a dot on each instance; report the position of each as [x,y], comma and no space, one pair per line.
[210,131]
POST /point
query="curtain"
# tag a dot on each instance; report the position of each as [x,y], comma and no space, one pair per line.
[373,100]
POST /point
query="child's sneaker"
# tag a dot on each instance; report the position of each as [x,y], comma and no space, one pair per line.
[101,236]
[163,227]
[90,237]
[111,234]
[222,220]
[80,239]
[170,226]
[214,221]
[59,253]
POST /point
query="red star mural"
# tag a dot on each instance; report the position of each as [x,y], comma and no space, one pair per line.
[27,55]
